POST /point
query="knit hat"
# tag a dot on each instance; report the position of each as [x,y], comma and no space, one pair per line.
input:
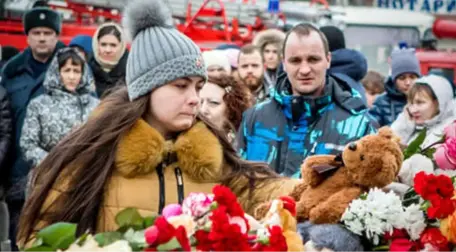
[84,42]
[335,37]
[233,55]
[217,58]
[159,52]
[404,61]
[42,17]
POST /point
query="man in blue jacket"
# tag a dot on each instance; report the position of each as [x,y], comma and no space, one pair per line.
[347,64]
[309,111]
[22,77]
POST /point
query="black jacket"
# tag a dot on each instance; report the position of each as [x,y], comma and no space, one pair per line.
[6,132]
[104,81]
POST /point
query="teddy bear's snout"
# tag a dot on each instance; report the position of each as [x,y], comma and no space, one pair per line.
[352,146]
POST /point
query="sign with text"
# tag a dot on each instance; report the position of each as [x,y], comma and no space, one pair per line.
[444,7]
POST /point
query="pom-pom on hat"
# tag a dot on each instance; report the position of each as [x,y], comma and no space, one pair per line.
[159,52]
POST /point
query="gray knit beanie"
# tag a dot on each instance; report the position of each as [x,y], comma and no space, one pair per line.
[159,52]
[404,61]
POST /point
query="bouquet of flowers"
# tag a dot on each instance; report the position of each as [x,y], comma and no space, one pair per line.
[388,223]
[377,214]
[214,222]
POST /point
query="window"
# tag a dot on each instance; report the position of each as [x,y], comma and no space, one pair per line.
[377,42]
[445,72]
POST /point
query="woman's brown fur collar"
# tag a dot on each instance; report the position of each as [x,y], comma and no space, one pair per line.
[199,153]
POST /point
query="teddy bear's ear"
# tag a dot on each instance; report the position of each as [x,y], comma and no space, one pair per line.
[387,132]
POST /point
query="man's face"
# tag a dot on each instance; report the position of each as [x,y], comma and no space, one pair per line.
[306,62]
[250,68]
[42,41]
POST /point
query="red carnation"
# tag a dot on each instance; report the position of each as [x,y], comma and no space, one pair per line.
[440,207]
[434,237]
[276,241]
[225,197]
[181,236]
[425,185]
[166,231]
[223,235]
[203,241]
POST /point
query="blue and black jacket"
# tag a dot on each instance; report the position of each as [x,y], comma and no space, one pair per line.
[286,129]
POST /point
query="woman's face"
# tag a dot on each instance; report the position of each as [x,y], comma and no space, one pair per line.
[422,108]
[212,105]
[271,56]
[71,75]
[174,106]
[108,47]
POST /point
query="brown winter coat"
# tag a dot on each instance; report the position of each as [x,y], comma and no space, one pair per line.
[134,182]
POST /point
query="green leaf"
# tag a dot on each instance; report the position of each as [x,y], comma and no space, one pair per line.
[429,153]
[149,221]
[169,246]
[130,217]
[59,235]
[424,207]
[104,239]
[38,242]
[414,146]
[41,248]
[133,236]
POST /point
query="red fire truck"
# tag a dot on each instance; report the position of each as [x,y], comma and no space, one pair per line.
[440,61]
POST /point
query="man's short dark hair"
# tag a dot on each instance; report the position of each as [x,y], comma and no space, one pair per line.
[304,29]
[250,49]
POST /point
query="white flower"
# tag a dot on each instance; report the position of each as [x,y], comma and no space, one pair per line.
[378,213]
[119,246]
[415,221]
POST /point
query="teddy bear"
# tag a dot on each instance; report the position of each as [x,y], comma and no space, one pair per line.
[331,182]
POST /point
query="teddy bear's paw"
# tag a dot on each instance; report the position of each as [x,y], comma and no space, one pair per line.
[320,215]
[262,210]
[302,212]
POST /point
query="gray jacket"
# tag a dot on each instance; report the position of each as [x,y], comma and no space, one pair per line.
[52,115]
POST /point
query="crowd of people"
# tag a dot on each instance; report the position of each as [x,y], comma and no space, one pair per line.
[85,127]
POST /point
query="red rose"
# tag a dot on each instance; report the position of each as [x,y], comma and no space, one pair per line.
[225,197]
[434,237]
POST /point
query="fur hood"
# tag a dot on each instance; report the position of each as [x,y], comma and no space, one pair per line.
[268,36]
[199,153]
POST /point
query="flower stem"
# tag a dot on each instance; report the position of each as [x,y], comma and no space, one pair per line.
[441,141]
[381,248]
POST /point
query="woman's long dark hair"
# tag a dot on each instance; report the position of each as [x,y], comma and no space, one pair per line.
[88,154]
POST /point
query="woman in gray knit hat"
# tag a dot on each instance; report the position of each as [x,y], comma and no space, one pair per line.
[145,146]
